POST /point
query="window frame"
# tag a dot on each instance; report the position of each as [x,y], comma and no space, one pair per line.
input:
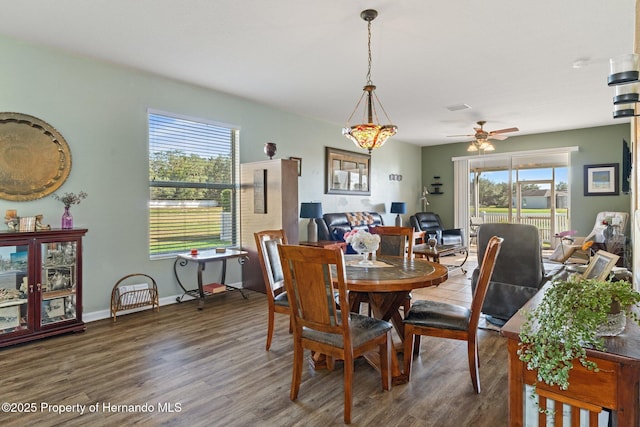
[234,185]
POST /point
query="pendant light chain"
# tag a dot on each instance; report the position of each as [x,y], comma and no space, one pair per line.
[369,82]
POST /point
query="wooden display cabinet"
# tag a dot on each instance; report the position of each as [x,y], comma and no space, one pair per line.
[40,284]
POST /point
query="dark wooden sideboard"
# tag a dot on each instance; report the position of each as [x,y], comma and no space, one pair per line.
[615,387]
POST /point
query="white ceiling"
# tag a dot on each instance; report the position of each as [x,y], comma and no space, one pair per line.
[511,61]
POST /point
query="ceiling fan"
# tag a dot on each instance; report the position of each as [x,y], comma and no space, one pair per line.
[482,137]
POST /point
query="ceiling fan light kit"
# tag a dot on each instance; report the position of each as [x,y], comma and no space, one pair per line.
[625,74]
[480,146]
[481,139]
[369,134]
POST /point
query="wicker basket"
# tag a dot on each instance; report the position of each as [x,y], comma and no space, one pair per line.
[134,291]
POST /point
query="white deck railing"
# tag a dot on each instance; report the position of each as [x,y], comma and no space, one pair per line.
[542,223]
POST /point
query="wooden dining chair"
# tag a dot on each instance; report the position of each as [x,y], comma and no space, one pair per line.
[267,243]
[396,241]
[320,326]
[443,320]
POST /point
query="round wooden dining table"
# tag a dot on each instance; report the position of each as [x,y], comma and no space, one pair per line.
[386,285]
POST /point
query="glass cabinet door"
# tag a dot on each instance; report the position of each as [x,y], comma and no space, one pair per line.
[14,292]
[58,282]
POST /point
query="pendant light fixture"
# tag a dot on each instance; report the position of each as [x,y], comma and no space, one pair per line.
[369,135]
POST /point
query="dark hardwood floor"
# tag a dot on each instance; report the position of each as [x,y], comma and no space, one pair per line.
[209,368]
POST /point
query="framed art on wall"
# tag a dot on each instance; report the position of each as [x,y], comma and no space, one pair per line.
[347,172]
[601,180]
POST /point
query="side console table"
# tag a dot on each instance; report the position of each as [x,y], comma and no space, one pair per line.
[423,250]
[615,387]
[202,258]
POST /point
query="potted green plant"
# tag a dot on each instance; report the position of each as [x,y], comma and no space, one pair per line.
[573,316]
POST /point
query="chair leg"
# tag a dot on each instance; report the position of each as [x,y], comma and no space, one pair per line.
[348,380]
[407,304]
[416,344]
[331,363]
[270,329]
[408,349]
[385,362]
[474,363]
[298,354]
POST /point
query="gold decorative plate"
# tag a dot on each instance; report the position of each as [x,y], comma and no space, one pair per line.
[35,159]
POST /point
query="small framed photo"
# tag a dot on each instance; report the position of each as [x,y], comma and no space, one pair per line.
[299,161]
[601,180]
[9,317]
[600,265]
[53,308]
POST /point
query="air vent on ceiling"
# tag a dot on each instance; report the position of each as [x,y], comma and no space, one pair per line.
[458,107]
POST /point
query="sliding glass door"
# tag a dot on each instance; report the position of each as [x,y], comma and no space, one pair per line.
[526,188]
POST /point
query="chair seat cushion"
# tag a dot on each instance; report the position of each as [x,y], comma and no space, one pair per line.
[282,299]
[438,315]
[363,329]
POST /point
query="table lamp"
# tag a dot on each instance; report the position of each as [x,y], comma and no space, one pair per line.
[312,211]
[398,208]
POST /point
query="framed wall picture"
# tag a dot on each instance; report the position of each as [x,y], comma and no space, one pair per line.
[347,172]
[601,180]
[600,265]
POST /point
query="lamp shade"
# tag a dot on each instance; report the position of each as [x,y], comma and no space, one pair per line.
[398,207]
[311,210]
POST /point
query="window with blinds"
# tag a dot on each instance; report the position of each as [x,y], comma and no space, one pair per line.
[193,181]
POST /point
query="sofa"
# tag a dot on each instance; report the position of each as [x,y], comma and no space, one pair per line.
[333,226]
[430,223]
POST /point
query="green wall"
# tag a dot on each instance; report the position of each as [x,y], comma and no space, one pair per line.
[101,110]
[596,145]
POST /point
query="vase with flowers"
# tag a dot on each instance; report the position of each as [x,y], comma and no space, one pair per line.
[69,199]
[364,243]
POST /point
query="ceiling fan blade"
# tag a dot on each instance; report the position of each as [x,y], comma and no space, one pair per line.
[498,137]
[493,132]
[457,136]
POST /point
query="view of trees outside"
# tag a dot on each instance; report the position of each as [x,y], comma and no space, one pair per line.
[199,178]
[496,194]
[498,202]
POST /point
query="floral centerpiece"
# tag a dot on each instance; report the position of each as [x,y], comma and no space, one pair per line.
[362,242]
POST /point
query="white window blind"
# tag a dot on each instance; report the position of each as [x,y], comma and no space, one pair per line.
[193,176]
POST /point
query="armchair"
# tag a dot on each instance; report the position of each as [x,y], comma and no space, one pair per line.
[572,250]
[430,223]
[518,273]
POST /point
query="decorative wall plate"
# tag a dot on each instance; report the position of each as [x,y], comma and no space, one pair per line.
[35,159]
